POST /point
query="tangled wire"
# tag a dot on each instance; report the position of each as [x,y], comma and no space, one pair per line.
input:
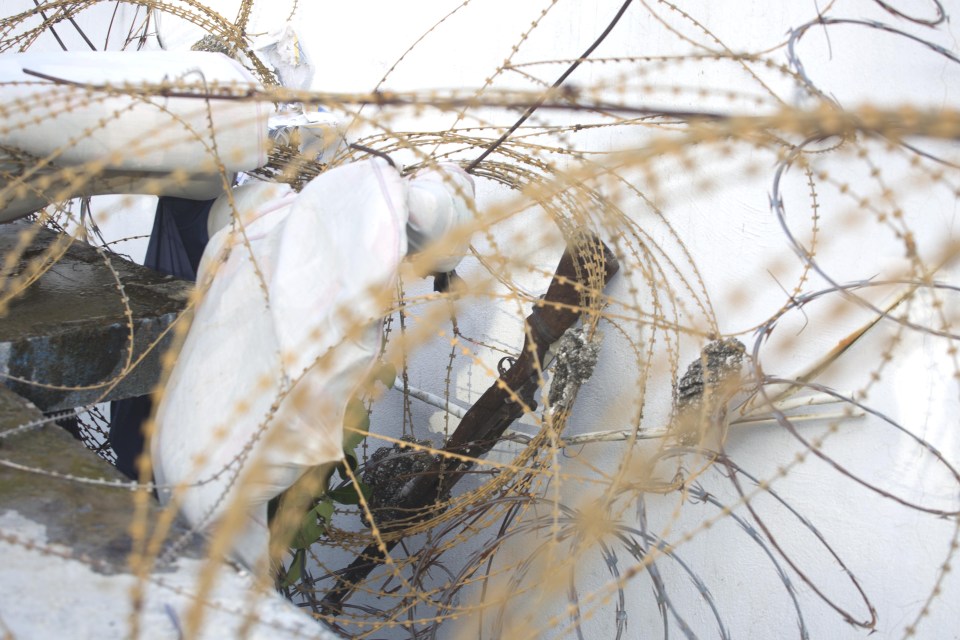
[774,394]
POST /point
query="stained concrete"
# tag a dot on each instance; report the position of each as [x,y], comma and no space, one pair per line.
[15,411]
[69,327]
[92,521]
[64,546]
[65,542]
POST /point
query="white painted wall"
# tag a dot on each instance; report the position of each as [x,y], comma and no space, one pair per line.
[895,552]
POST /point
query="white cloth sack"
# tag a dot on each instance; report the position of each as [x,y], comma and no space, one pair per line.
[121,143]
[77,125]
[281,340]
[272,310]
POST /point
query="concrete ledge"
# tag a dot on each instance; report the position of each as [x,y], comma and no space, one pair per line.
[68,329]
[64,548]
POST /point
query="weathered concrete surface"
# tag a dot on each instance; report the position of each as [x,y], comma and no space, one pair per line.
[91,520]
[69,328]
[64,546]
[15,410]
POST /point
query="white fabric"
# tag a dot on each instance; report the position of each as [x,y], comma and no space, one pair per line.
[76,126]
[438,201]
[304,326]
[42,190]
[126,144]
[248,201]
[285,52]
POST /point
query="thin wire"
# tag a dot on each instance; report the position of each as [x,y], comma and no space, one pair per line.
[53,31]
[566,74]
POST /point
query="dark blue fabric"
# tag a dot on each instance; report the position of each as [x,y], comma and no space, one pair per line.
[179,236]
[177,241]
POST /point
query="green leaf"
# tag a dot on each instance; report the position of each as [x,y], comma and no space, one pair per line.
[295,570]
[365,490]
[345,495]
[386,374]
[312,527]
[325,510]
[348,494]
[356,424]
[350,460]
